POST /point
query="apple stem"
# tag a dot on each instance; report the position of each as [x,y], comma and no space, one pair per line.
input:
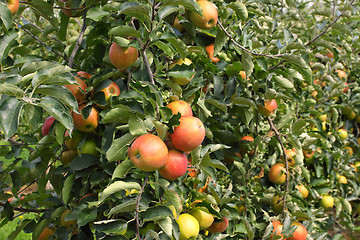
[138,207]
[277,134]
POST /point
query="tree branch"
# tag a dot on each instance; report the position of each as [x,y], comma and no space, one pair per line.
[26,210]
[277,134]
[138,206]
[79,40]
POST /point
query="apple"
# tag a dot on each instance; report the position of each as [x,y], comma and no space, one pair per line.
[329,54]
[176,165]
[290,156]
[188,135]
[182,80]
[66,223]
[340,73]
[89,147]
[176,24]
[277,173]
[122,57]
[303,190]
[300,232]
[349,113]
[111,90]
[309,156]
[77,11]
[88,124]
[148,152]
[342,179]
[277,229]
[67,156]
[244,144]
[203,216]
[243,75]
[327,201]
[268,109]
[73,142]
[189,227]
[342,133]
[13,6]
[323,117]
[78,90]
[181,107]
[349,150]
[46,233]
[346,88]
[209,18]
[219,226]
[47,125]
[83,74]
[209,49]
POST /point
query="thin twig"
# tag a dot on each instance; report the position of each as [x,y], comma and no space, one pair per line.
[277,134]
[79,40]
[13,142]
[245,49]
[26,210]
[42,43]
[138,206]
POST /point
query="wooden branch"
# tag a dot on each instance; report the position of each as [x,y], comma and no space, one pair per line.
[277,134]
[79,40]
[138,207]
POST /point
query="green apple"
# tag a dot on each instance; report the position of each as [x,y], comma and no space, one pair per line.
[89,147]
[203,216]
[342,133]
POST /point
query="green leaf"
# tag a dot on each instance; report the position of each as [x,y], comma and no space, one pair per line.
[167,50]
[156,213]
[61,93]
[119,148]
[96,13]
[123,31]
[244,102]
[19,228]
[58,110]
[166,225]
[161,129]
[300,64]
[188,4]
[240,10]
[66,190]
[6,43]
[124,207]
[111,226]
[117,187]
[5,16]
[11,90]
[166,11]
[141,12]
[119,114]
[122,169]
[137,126]
[179,45]
[9,116]
[33,115]
[84,161]
[44,9]
[220,41]
[299,127]
[284,83]
[86,215]
[50,75]
[247,62]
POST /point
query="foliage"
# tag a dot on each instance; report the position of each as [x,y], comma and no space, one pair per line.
[282,47]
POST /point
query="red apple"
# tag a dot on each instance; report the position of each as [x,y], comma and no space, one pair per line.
[209,18]
[181,107]
[78,90]
[13,5]
[219,226]
[188,135]
[268,109]
[83,74]
[90,123]
[122,57]
[46,126]
[148,152]
[277,173]
[73,142]
[175,166]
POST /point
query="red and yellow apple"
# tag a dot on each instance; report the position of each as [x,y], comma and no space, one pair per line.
[188,135]
[148,152]
[123,57]
[209,49]
[88,124]
[78,90]
[290,156]
[268,108]
[277,173]
[13,6]
[219,226]
[327,201]
[83,74]
[181,107]
[209,18]
[342,133]
[47,125]
[303,190]
[176,165]
[300,232]
[244,144]
[182,80]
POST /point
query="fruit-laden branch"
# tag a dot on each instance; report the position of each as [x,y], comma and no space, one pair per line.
[79,40]
[245,49]
[277,134]
[41,42]
[26,210]
[138,207]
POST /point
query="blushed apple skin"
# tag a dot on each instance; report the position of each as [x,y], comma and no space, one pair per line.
[13,6]
[148,152]
[181,107]
[188,135]
[269,108]
[89,124]
[210,15]
[75,89]
[277,174]
[175,166]
[121,57]
[219,227]
[46,126]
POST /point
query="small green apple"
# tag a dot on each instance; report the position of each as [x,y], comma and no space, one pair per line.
[203,216]
[89,147]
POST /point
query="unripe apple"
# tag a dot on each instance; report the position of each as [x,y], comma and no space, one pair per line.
[277,173]
[89,147]
[176,165]
[341,179]
[219,226]
[342,133]
[268,109]
[88,124]
[327,201]
[122,57]
[303,190]
[78,90]
[47,125]
[13,5]
[67,156]
[188,135]
[181,107]
[181,80]
[209,18]
[203,216]
[148,152]
[188,226]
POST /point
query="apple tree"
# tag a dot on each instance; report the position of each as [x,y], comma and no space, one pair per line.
[269,83]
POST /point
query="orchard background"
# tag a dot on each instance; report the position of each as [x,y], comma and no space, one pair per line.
[303,54]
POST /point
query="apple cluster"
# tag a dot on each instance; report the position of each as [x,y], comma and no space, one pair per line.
[149,152]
